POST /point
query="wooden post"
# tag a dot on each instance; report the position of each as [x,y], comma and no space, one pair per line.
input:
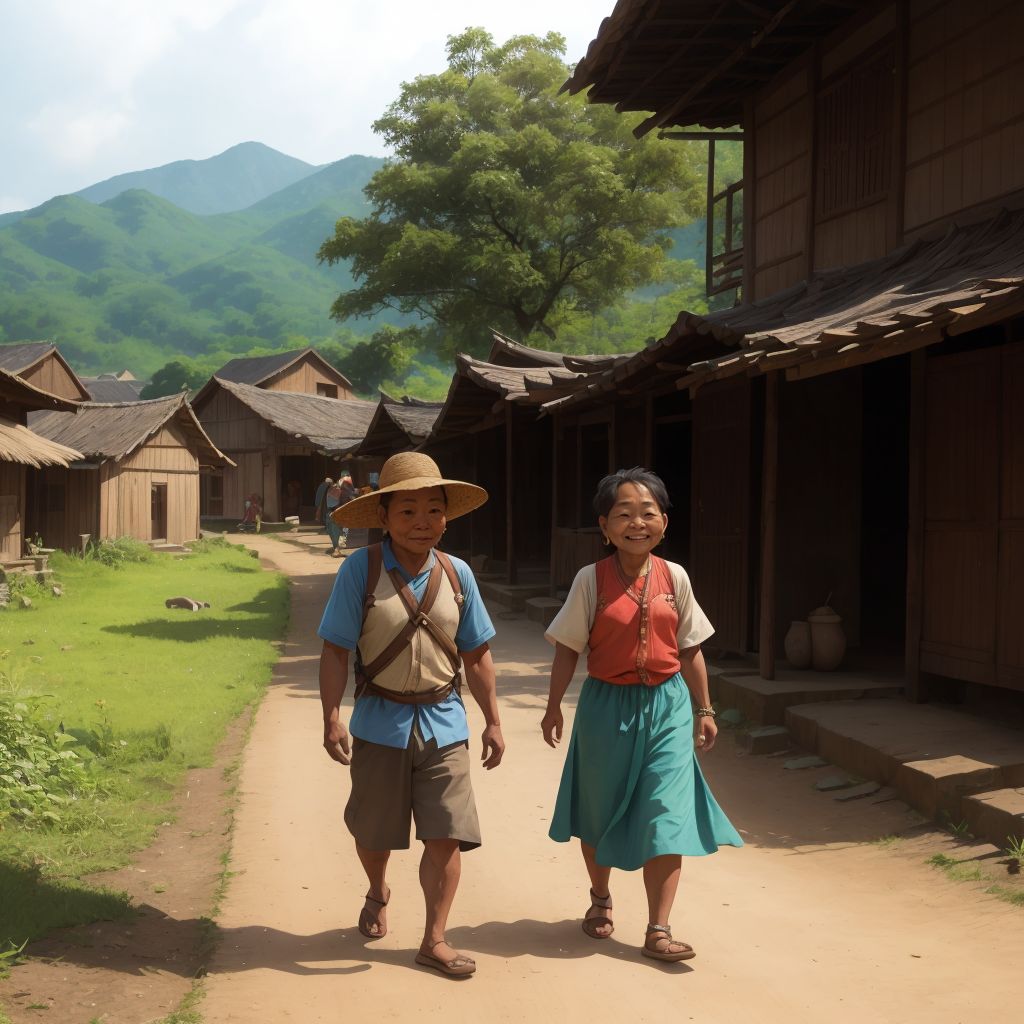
[749,198]
[769,500]
[649,432]
[556,445]
[709,254]
[476,479]
[915,689]
[512,570]
[613,459]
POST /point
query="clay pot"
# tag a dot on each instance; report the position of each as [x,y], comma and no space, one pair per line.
[828,639]
[798,644]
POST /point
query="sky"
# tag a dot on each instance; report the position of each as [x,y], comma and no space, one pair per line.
[94,88]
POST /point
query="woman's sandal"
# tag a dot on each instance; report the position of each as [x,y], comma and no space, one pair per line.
[672,952]
[460,965]
[591,924]
[368,918]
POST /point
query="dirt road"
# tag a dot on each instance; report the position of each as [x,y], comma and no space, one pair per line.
[809,922]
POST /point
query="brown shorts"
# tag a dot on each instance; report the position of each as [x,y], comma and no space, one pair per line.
[390,785]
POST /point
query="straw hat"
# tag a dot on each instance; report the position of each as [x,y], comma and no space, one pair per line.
[409,471]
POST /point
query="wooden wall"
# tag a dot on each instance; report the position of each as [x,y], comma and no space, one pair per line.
[233,426]
[62,505]
[304,376]
[12,510]
[125,502]
[50,375]
[965,106]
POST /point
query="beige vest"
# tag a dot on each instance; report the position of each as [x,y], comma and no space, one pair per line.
[423,665]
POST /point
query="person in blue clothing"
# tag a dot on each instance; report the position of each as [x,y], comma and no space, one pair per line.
[404,618]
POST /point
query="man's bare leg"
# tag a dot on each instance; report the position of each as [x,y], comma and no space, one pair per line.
[375,864]
[440,870]
[600,877]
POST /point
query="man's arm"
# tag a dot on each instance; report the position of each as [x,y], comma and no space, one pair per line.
[482,684]
[333,680]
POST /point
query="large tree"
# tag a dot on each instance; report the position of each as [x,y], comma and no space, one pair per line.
[508,203]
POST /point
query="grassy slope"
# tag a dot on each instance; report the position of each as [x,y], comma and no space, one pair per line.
[112,657]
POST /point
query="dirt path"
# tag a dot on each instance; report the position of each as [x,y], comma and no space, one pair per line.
[808,923]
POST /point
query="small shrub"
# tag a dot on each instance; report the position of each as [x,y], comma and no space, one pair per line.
[119,551]
[207,545]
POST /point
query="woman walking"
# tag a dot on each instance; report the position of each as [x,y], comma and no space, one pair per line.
[631,790]
[403,618]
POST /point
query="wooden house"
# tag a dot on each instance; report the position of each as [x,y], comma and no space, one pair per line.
[40,363]
[138,474]
[490,431]
[282,444]
[20,450]
[114,387]
[398,425]
[852,427]
[304,371]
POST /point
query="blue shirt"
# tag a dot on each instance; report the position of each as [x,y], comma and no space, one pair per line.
[383,721]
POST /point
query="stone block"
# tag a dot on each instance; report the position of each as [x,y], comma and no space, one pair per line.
[858,792]
[833,782]
[765,739]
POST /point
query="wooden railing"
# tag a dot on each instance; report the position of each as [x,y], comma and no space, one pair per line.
[724,268]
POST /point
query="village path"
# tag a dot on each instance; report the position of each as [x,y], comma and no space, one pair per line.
[809,922]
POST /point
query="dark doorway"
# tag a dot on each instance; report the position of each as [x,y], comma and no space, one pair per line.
[299,479]
[158,512]
[673,458]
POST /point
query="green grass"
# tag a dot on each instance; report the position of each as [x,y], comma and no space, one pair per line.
[146,692]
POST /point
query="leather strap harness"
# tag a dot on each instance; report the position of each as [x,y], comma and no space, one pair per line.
[419,618]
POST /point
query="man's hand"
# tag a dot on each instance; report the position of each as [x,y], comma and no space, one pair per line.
[494,747]
[336,742]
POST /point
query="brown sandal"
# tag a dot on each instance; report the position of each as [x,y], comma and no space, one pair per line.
[673,952]
[460,965]
[591,924]
[368,918]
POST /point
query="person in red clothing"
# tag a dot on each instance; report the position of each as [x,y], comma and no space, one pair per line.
[631,790]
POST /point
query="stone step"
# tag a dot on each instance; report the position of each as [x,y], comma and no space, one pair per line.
[996,815]
[935,758]
[542,609]
[512,595]
[765,701]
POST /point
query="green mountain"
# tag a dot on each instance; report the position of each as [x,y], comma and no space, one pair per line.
[137,280]
[232,180]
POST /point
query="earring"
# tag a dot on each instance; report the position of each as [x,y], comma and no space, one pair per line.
[607,542]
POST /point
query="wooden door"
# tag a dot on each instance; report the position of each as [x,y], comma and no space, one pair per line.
[961,516]
[158,511]
[720,544]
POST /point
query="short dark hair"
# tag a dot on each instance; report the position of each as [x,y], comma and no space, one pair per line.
[385,498]
[608,489]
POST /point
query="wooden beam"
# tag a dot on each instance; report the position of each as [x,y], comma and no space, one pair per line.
[512,570]
[702,136]
[709,250]
[914,687]
[769,518]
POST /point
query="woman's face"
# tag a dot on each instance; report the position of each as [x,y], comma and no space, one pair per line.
[415,519]
[635,523]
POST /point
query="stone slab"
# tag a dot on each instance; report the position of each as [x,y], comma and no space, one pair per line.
[542,609]
[765,739]
[512,595]
[798,764]
[858,792]
[833,782]
[996,815]
[765,701]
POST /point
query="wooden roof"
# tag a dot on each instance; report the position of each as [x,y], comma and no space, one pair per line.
[23,356]
[333,425]
[19,392]
[695,61]
[114,430]
[506,352]
[971,277]
[257,370]
[24,446]
[109,388]
[399,424]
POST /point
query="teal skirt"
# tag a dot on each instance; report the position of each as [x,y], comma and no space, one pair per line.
[631,786]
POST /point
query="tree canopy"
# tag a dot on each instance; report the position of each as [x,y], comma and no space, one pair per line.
[509,204]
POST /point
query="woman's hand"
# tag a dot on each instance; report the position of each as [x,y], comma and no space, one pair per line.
[336,742]
[494,747]
[707,730]
[551,725]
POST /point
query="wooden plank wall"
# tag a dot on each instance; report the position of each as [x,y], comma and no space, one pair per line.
[233,426]
[12,510]
[965,107]
[81,489]
[125,506]
[304,377]
[51,376]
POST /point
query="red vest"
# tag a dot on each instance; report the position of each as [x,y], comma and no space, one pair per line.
[633,639]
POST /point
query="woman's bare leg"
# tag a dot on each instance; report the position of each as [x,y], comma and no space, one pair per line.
[661,880]
[599,881]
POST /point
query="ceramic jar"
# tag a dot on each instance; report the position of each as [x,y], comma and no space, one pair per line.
[828,639]
[798,644]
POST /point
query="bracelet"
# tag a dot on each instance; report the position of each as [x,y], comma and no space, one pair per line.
[707,713]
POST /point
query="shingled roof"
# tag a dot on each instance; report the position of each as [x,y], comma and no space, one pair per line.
[695,61]
[399,424]
[27,448]
[24,355]
[114,430]
[506,352]
[258,370]
[19,392]
[108,388]
[971,277]
[333,425]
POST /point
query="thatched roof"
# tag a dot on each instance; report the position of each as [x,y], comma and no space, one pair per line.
[332,425]
[971,277]
[19,392]
[399,424]
[102,430]
[21,445]
[257,370]
[696,61]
